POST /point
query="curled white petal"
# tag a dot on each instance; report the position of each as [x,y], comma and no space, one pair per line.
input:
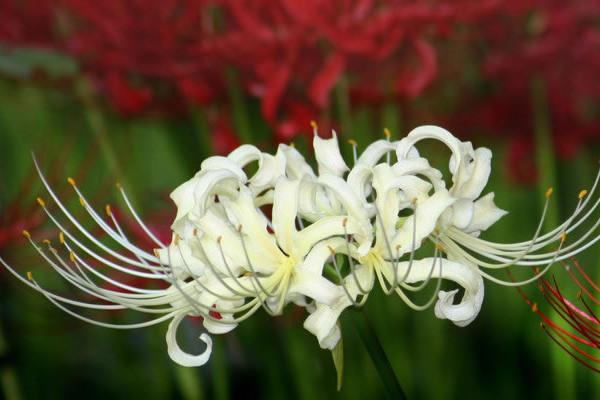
[180,356]
[485,214]
[327,153]
[460,314]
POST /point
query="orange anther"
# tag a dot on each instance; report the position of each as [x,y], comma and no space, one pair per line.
[29,276]
[582,194]
[549,192]
[41,202]
[71,181]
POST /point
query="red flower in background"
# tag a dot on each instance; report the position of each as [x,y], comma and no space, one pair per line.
[556,42]
[300,50]
[27,22]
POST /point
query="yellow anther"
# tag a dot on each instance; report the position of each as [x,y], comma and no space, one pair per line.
[27,235]
[352,142]
[72,256]
[582,194]
[536,271]
[344,222]
[46,241]
[331,250]
[534,307]
[387,132]
[156,253]
[414,201]
[39,200]
[108,210]
[61,236]
[82,201]
[71,181]
[563,237]
[549,192]
[439,247]
[437,231]
[176,239]
[29,275]
[314,125]
[119,186]
[219,239]
[293,145]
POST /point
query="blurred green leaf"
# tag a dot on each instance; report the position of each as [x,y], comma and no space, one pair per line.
[23,62]
[338,360]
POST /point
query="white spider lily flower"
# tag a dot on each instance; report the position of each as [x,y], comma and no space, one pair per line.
[458,228]
[255,261]
[77,260]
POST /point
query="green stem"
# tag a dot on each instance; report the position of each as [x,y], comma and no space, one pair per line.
[189,383]
[8,376]
[562,364]
[97,125]
[382,363]
[241,121]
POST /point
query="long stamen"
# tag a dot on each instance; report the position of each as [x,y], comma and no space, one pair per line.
[351,260]
[354,145]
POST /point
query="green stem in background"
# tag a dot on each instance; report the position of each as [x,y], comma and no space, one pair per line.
[202,132]
[342,103]
[220,374]
[562,364]
[189,383]
[239,109]
[8,377]
[392,119]
[384,368]
[97,125]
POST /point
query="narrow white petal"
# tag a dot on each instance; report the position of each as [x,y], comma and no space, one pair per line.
[485,214]
[327,153]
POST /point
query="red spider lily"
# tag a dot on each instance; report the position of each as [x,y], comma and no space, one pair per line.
[27,22]
[556,42]
[300,49]
[147,55]
[141,54]
[579,332]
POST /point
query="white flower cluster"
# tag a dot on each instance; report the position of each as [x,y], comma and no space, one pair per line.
[284,234]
